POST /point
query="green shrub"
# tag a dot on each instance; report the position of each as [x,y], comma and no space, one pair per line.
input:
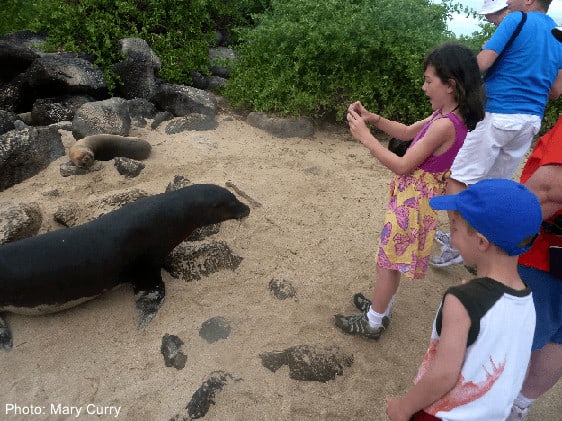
[313,58]
[299,57]
[17,15]
[172,28]
[228,15]
[179,31]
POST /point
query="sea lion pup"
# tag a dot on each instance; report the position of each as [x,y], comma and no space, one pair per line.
[63,268]
[104,147]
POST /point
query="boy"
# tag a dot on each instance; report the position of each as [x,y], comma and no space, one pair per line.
[482,333]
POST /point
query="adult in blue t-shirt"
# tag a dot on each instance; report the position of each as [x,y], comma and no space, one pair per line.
[528,68]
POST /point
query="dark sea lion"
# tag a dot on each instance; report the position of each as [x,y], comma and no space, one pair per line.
[63,268]
[103,147]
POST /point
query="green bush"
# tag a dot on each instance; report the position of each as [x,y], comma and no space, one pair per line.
[298,57]
[173,29]
[313,58]
[228,15]
[16,15]
[179,31]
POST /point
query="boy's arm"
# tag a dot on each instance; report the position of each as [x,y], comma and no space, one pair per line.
[443,373]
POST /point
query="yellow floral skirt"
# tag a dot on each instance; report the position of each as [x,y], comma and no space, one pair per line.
[409,225]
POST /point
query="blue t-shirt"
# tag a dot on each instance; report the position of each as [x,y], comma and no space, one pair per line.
[524,75]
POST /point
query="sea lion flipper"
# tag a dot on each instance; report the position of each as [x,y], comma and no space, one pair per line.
[148,299]
[5,336]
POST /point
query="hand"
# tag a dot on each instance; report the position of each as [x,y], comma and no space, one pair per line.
[358,108]
[394,410]
[357,126]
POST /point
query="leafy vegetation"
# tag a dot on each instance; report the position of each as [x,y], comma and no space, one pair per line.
[17,14]
[313,58]
[297,57]
[179,31]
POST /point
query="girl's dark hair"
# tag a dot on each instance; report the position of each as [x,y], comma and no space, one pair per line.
[453,60]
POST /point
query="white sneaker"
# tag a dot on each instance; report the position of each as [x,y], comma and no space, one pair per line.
[443,238]
[449,256]
[517,414]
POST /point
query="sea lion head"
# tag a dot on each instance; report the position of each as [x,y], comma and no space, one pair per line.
[81,157]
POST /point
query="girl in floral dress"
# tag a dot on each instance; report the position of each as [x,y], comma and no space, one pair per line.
[453,84]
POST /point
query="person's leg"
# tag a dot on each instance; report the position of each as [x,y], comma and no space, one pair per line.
[385,289]
[372,322]
[545,369]
[454,186]
[449,255]
[513,135]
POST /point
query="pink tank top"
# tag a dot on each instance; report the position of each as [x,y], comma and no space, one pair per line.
[443,162]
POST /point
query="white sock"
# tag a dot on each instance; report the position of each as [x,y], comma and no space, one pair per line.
[522,401]
[389,306]
[375,319]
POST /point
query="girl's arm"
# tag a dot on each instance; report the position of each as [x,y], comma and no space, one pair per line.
[392,128]
[438,138]
[400,130]
[444,371]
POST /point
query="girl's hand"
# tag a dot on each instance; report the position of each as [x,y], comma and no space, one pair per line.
[357,126]
[394,410]
[358,108]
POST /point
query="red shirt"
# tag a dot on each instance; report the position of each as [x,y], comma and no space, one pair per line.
[548,151]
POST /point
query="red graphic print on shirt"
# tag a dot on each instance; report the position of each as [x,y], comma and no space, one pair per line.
[463,392]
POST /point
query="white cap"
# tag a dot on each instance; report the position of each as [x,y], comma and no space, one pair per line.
[492,6]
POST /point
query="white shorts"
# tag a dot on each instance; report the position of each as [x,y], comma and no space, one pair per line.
[495,148]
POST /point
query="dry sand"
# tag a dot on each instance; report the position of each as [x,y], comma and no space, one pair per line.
[322,206]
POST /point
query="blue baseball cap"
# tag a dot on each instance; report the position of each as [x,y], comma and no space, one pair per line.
[507,213]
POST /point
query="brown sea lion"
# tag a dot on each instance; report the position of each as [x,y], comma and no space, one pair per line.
[104,147]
